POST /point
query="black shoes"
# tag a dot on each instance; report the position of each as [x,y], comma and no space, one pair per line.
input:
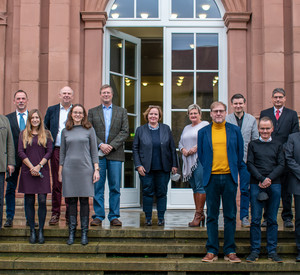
[148,222]
[252,257]
[41,236]
[275,258]
[161,222]
[298,257]
[288,224]
[32,238]
[8,223]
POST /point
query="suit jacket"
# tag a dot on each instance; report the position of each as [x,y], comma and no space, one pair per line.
[142,148]
[249,129]
[235,151]
[292,155]
[287,123]
[7,151]
[13,121]
[51,120]
[118,133]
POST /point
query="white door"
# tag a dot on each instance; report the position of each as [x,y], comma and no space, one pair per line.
[122,72]
[195,72]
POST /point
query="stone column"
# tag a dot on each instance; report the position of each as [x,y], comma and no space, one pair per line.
[236,23]
[2,52]
[94,22]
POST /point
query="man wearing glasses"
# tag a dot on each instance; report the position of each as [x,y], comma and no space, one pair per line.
[220,151]
[285,122]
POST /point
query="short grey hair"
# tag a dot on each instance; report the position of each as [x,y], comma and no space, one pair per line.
[192,107]
[278,90]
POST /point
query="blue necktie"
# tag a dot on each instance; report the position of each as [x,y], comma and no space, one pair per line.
[22,121]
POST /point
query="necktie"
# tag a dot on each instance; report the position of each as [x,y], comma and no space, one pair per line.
[22,121]
[277,114]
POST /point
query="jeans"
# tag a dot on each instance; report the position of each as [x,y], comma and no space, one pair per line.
[10,195]
[155,183]
[2,177]
[197,179]
[274,192]
[245,192]
[30,210]
[221,186]
[114,170]
[286,197]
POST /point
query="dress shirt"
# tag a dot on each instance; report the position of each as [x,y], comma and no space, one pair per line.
[152,128]
[270,139]
[107,113]
[25,116]
[63,116]
[280,111]
[239,121]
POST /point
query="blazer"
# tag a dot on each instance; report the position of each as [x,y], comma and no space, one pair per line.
[13,121]
[7,149]
[118,133]
[235,151]
[249,129]
[287,123]
[51,120]
[292,155]
[142,148]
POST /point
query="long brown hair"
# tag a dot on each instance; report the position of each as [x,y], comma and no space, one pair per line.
[43,134]
[84,122]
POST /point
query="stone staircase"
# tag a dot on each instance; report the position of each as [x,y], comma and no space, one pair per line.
[134,249]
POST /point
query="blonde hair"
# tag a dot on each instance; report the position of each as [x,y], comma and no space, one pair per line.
[43,134]
[146,113]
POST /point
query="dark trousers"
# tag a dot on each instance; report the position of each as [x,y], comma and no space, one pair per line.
[30,210]
[84,206]
[155,183]
[297,221]
[10,194]
[57,185]
[2,177]
[221,186]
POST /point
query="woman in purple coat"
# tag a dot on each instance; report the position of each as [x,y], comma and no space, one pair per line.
[35,149]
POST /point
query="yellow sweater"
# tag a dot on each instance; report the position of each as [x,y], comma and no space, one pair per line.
[220,159]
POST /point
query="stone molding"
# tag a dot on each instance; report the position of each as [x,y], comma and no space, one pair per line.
[236,20]
[235,5]
[3,18]
[95,5]
[94,19]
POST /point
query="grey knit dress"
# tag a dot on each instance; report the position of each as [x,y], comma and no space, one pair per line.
[78,153]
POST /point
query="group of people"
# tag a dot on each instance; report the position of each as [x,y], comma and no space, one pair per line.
[85,149]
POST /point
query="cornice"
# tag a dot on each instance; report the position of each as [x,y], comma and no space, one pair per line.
[236,20]
[3,18]
[94,19]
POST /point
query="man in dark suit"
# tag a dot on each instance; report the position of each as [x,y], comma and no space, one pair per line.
[292,155]
[17,120]
[285,122]
[111,125]
[55,121]
[221,152]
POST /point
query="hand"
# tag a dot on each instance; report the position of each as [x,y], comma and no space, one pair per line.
[193,150]
[59,176]
[106,148]
[141,170]
[96,176]
[174,170]
[10,169]
[35,171]
[184,152]
[265,184]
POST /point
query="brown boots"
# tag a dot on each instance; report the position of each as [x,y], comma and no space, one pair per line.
[199,214]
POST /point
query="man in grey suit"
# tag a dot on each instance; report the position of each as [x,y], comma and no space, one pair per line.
[292,155]
[7,157]
[111,125]
[247,124]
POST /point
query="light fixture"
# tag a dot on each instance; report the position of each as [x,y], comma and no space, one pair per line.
[215,81]
[161,84]
[145,84]
[179,84]
[115,15]
[114,6]
[180,80]
[127,80]
[144,15]
[120,45]
[205,7]
[192,46]
[202,15]
[128,84]
[181,77]
[216,77]
[174,15]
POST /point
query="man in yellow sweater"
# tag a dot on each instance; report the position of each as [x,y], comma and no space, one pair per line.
[220,151]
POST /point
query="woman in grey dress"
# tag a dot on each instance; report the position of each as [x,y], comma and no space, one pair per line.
[78,168]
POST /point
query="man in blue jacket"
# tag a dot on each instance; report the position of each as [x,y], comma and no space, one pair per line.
[221,151]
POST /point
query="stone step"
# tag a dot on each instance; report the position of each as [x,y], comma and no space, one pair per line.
[96,263]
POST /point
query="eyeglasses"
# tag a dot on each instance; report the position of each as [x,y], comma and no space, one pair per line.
[278,97]
[218,111]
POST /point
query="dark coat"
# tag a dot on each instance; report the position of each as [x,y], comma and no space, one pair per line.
[292,155]
[51,120]
[142,148]
[287,123]
[118,133]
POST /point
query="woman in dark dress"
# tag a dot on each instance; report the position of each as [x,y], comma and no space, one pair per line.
[35,149]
